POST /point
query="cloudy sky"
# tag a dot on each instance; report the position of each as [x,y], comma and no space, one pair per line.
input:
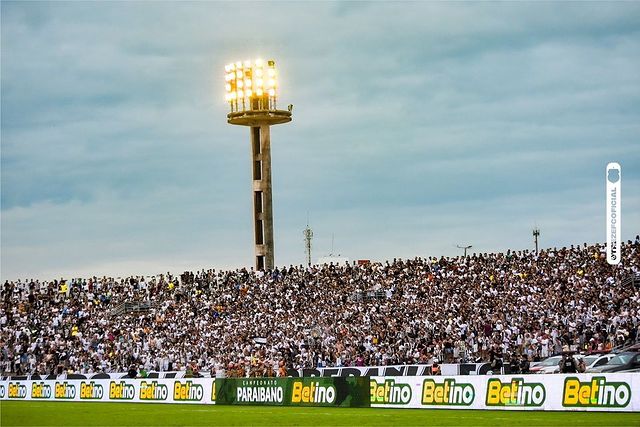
[417,127]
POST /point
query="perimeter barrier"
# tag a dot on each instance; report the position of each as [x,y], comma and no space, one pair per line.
[560,392]
[557,392]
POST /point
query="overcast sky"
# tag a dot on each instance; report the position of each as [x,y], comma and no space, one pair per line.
[417,127]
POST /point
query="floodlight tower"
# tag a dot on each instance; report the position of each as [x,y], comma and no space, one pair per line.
[251,94]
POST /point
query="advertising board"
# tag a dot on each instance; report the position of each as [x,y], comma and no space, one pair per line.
[200,390]
[571,392]
[584,392]
[310,391]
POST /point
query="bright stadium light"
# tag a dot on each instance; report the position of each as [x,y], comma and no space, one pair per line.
[255,84]
[250,91]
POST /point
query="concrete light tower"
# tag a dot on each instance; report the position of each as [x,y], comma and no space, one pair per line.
[251,94]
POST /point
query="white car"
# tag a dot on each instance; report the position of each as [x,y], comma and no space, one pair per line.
[594,360]
[551,365]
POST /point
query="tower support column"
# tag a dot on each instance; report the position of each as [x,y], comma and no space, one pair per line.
[262,198]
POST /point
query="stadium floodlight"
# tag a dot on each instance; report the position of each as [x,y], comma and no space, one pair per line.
[254,84]
[251,90]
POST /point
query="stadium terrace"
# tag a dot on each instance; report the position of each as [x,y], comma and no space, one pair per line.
[257,324]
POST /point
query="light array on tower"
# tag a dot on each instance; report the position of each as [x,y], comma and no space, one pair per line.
[251,85]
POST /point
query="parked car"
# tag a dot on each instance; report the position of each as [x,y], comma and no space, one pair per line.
[593,360]
[550,365]
[629,371]
[621,362]
[622,349]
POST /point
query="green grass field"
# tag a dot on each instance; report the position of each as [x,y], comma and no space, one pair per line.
[137,414]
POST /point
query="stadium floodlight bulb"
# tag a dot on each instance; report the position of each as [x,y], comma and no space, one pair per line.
[253,84]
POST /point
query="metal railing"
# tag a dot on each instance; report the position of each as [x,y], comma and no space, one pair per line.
[632,280]
[135,307]
[368,296]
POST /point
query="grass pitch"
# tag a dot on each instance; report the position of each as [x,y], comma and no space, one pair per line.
[144,414]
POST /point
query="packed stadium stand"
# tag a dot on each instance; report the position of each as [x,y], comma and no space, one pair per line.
[260,324]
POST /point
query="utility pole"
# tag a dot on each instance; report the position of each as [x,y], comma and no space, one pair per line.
[536,233]
[308,235]
[465,249]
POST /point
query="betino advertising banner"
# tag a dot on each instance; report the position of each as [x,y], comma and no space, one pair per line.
[580,392]
[311,391]
[338,391]
[197,390]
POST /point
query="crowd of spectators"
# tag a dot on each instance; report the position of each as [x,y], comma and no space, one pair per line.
[247,323]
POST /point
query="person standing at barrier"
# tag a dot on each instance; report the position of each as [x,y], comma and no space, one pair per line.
[133,372]
[435,368]
[282,370]
[143,372]
[524,364]
[495,358]
[568,364]
[514,365]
